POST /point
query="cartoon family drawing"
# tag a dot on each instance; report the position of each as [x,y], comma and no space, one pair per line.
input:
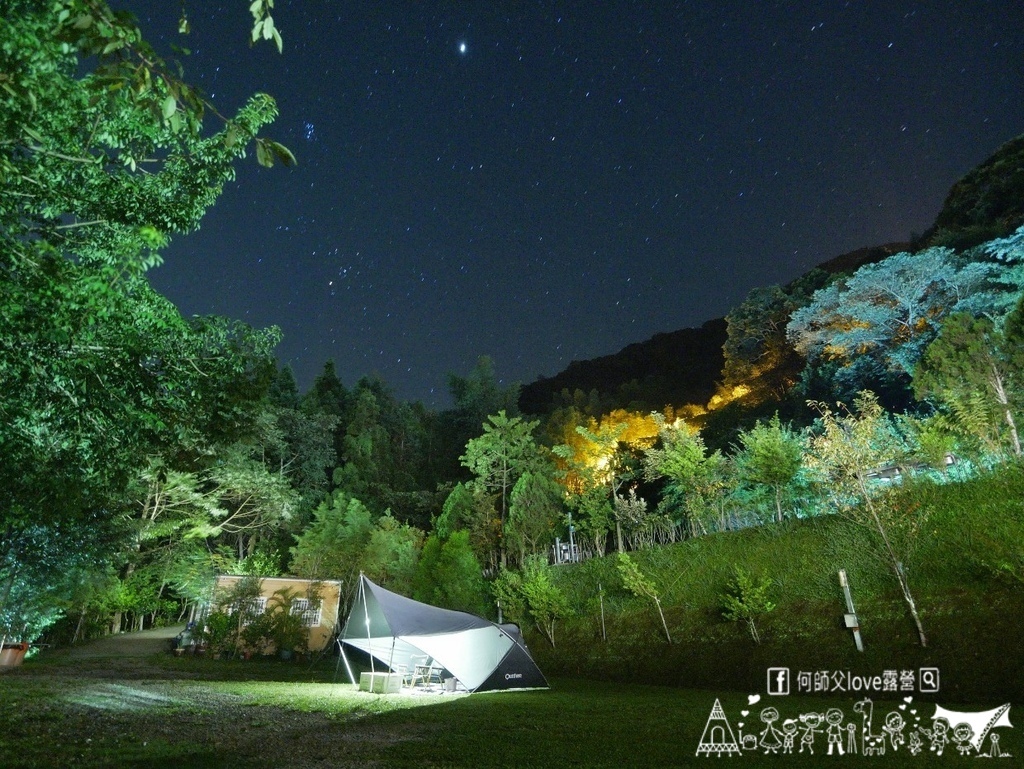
[946,731]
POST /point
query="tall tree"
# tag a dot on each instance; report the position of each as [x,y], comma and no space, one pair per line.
[449,575]
[771,455]
[970,361]
[848,448]
[107,164]
[606,452]
[696,480]
[876,324]
[480,394]
[757,353]
[103,156]
[499,457]
[535,510]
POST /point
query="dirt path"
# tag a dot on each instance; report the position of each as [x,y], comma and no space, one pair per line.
[123,656]
[142,644]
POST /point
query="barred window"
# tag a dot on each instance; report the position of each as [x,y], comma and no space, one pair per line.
[257,606]
[309,610]
[250,608]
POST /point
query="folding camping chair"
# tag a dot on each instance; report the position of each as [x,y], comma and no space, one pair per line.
[425,670]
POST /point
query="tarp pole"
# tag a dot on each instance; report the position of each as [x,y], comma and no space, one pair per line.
[351,676]
[366,614]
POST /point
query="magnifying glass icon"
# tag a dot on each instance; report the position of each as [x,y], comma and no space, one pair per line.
[929,679]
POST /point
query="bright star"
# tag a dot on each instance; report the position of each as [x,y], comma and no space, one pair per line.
[462,48]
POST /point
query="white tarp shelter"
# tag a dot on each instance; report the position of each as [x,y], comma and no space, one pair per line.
[399,633]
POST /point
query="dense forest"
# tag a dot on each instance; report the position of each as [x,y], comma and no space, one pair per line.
[145,452]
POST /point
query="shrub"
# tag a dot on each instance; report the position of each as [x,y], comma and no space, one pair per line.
[747,600]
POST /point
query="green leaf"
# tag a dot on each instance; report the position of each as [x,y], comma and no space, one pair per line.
[283,154]
[264,156]
[169,107]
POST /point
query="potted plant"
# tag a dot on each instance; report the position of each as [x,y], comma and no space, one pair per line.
[288,633]
[256,636]
[12,654]
[286,629]
[217,634]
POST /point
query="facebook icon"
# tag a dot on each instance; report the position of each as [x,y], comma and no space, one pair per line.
[778,681]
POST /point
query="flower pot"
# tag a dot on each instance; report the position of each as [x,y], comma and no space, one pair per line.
[12,655]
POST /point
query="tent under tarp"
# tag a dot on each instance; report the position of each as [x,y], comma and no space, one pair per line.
[399,633]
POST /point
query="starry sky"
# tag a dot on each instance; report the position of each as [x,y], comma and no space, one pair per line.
[549,181]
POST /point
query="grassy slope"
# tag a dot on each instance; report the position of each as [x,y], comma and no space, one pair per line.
[972,616]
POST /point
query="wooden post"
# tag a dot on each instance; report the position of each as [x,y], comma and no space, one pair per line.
[600,594]
[851,617]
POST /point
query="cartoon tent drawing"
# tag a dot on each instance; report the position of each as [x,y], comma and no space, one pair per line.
[718,737]
[405,636]
[981,723]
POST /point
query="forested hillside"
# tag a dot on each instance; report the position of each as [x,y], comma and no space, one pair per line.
[144,452]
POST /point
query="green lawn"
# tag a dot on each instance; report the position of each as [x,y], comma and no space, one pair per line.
[209,713]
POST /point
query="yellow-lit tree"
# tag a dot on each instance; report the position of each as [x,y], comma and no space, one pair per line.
[605,453]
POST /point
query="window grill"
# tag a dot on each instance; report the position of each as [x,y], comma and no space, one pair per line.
[309,611]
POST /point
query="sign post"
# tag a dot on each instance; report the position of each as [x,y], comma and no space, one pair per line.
[851,616]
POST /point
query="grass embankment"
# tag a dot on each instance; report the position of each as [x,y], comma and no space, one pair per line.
[966,573]
[206,713]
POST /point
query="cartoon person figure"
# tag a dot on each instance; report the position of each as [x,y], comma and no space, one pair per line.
[962,736]
[770,736]
[812,725]
[834,719]
[938,735]
[914,743]
[894,726]
[788,735]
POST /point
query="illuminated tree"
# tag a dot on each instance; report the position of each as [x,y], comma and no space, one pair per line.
[593,514]
[103,156]
[876,324]
[500,456]
[696,481]
[842,455]
[641,586]
[449,575]
[971,369]
[1009,279]
[757,353]
[747,599]
[467,508]
[532,594]
[771,455]
[606,453]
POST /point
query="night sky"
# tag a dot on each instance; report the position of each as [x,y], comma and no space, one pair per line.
[542,182]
